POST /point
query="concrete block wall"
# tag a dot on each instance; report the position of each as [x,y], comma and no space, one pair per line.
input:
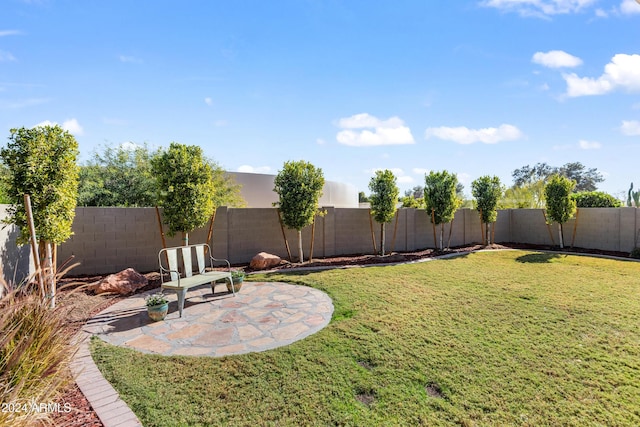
[15,261]
[107,240]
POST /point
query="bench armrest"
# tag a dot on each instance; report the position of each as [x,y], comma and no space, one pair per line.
[163,271]
[220,260]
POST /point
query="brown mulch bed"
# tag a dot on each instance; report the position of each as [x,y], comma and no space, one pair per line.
[85,304]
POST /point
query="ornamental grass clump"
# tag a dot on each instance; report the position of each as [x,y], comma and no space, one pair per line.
[36,347]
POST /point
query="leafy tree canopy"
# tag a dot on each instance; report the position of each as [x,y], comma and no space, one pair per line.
[411,202]
[185,180]
[118,176]
[440,195]
[384,196]
[595,199]
[299,185]
[586,179]
[525,196]
[487,191]
[41,162]
[560,206]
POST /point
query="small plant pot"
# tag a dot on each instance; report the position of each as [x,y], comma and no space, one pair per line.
[237,283]
[158,312]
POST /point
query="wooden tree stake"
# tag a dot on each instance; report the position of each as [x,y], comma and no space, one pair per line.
[313,235]
[575,227]
[284,236]
[373,237]
[544,213]
[34,246]
[395,230]
[450,230]
[482,232]
[210,233]
[164,242]
[433,223]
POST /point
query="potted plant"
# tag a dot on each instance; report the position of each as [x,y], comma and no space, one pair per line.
[238,278]
[157,306]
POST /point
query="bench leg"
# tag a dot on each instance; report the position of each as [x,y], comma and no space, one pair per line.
[182,294]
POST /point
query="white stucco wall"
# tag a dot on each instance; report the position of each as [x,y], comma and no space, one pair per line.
[257,190]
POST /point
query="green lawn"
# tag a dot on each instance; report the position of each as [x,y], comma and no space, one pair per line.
[492,338]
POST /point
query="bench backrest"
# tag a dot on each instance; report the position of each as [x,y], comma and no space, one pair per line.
[180,259]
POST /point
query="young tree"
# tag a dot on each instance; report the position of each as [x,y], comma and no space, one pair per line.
[560,205]
[299,185]
[384,196]
[487,191]
[41,162]
[185,180]
[441,199]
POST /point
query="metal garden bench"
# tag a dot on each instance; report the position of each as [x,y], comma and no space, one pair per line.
[183,277]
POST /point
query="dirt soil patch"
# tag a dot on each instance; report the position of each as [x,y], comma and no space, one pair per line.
[85,304]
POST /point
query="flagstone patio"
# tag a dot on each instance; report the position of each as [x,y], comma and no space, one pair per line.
[262,316]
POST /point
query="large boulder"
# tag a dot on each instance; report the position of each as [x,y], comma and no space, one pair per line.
[264,260]
[123,283]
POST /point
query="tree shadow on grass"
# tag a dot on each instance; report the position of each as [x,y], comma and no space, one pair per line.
[538,258]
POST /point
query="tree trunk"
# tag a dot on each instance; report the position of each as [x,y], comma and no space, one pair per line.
[441,237]
[382,239]
[300,253]
[185,238]
[560,234]
[486,233]
[50,278]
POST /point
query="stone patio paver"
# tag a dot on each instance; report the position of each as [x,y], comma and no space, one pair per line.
[262,316]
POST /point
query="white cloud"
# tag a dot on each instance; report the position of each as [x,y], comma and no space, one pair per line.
[208,101]
[6,56]
[364,120]
[464,135]
[72,126]
[252,169]
[130,59]
[622,72]
[420,171]
[464,178]
[556,59]
[320,141]
[4,33]
[539,8]
[629,7]
[630,127]
[602,13]
[374,131]
[589,145]
[129,146]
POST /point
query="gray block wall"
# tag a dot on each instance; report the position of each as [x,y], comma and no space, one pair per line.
[108,240]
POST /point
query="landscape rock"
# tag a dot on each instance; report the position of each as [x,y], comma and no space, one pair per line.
[264,260]
[123,283]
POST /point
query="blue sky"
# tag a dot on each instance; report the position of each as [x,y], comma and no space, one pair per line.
[474,87]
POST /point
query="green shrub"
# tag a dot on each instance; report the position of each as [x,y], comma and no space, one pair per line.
[635,253]
[595,199]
